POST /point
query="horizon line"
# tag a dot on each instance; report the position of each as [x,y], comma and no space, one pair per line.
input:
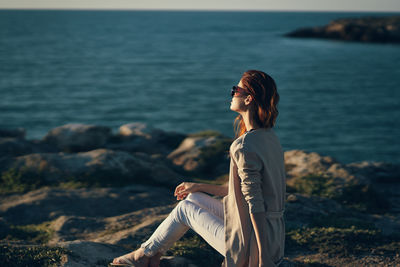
[202,10]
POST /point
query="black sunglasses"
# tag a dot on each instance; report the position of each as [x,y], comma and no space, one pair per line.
[236,89]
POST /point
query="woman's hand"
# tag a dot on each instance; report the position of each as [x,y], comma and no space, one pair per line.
[182,190]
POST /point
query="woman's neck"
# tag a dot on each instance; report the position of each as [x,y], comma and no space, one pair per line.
[248,122]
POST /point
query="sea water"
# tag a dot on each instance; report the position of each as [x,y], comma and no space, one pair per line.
[174,70]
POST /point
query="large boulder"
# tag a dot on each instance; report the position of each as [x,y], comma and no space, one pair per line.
[13,143]
[16,132]
[76,137]
[300,163]
[96,167]
[13,147]
[203,153]
[374,185]
[140,137]
[375,172]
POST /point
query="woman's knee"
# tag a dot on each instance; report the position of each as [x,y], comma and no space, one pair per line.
[182,209]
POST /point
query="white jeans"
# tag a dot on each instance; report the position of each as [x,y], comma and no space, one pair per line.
[198,211]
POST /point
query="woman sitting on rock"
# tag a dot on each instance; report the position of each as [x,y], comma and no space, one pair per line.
[247,227]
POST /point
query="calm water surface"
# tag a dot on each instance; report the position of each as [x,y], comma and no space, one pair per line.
[174,70]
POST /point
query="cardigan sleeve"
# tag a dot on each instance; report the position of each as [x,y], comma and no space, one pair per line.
[249,169]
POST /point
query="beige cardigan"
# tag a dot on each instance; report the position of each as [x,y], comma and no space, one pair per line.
[256,183]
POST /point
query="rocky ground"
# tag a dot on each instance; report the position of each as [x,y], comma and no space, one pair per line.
[83,195]
[364,29]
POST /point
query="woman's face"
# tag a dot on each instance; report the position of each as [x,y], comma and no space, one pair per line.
[238,101]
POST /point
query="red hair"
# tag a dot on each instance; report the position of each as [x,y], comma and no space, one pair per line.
[262,88]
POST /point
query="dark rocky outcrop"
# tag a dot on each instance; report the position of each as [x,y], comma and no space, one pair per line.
[365,29]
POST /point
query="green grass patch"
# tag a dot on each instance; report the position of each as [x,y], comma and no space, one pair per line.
[19,181]
[71,184]
[342,242]
[194,248]
[315,185]
[31,256]
[34,233]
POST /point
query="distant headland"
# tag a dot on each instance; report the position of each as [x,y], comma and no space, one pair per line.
[364,29]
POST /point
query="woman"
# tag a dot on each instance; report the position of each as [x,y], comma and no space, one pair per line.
[247,227]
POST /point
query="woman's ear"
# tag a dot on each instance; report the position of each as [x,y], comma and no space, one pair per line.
[248,100]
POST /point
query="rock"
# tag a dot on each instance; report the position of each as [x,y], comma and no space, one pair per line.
[374,185]
[375,172]
[17,133]
[301,163]
[98,224]
[94,254]
[86,253]
[300,209]
[58,205]
[171,261]
[203,154]
[13,146]
[365,29]
[306,211]
[131,229]
[383,178]
[292,198]
[4,228]
[136,129]
[76,137]
[101,166]
[94,223]
[75,227]
[140,137]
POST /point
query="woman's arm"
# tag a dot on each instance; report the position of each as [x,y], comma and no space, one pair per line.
[216,190]
[249,170]
[185,188]
[257,220]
